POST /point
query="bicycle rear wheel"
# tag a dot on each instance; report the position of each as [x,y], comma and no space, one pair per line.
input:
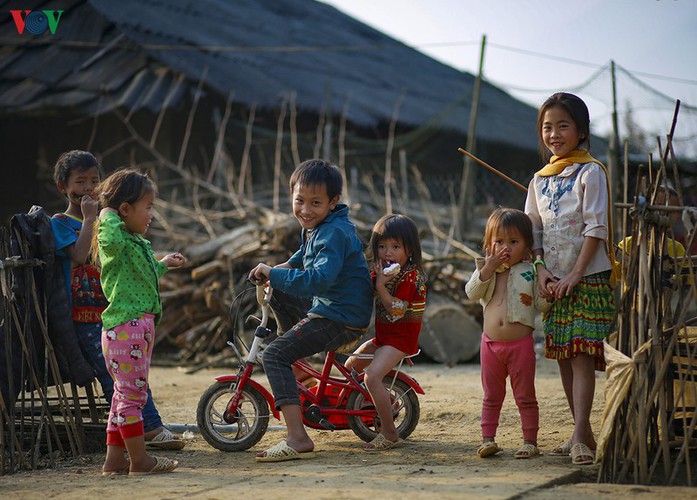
[247,426]
[405,410]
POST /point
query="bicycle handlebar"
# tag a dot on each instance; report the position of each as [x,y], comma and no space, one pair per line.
[264,291]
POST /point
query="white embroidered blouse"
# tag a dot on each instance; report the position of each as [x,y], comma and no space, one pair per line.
[564,209]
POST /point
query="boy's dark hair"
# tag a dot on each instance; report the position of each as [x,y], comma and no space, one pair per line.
[400,228]
[578,111]
[506,219]
[73,160]
[124,186]
[318,173]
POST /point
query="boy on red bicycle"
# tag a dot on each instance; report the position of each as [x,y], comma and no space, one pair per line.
[322,296]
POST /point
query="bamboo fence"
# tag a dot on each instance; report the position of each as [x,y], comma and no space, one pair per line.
[43,422]
[649,430]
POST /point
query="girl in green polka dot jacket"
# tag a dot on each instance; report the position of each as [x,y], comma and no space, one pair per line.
[130,279]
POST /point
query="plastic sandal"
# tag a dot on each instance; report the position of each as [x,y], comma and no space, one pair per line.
[282,452]
[528,450]
[162,466]
[488,449]
[165,440]
[381,443]
[561,450]
[581,454]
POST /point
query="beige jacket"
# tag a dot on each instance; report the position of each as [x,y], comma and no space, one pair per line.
[522,297]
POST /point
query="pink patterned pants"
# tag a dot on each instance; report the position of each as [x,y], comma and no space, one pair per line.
[127,351]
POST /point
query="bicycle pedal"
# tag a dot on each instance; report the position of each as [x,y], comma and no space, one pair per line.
[327,425]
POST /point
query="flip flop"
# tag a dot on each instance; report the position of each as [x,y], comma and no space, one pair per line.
[162,466]
[165,440]
[561,450]
[528,450]
[581,454]
[487,449]
[381,443]
[282,452]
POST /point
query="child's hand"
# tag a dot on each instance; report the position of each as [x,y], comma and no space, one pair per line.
[173,260]
[260,274]
[493,258]
[380,278]
[89,207]
[496,255]
[565,286]
[546,283]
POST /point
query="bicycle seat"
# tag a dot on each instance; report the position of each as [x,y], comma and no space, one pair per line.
[348,347]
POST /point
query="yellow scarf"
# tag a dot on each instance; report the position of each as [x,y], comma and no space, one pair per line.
[556,165]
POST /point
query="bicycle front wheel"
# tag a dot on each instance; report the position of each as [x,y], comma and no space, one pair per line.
[405,411]
[240,432]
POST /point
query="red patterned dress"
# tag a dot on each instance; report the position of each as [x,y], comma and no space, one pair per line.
[400,326]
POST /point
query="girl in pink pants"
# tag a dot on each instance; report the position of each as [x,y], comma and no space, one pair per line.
[505,284]
[130,280]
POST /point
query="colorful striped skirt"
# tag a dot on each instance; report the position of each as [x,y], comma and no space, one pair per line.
[580,322]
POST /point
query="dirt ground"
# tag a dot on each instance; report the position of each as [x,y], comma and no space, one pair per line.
[439,459]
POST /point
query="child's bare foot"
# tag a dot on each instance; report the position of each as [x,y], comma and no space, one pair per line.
[117,465]
[301,446]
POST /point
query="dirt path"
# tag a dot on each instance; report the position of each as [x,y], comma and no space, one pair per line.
[438,460]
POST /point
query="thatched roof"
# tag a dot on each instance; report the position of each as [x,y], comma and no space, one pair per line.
[146,55]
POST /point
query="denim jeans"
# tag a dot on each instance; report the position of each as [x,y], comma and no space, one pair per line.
[89,337]
[303,337]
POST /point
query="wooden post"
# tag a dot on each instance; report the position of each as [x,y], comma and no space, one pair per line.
[614,157]
[388,155]
[404,174]
[327,149]
[277,156]
[466,201]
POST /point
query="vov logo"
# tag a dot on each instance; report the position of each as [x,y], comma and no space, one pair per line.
[36,22]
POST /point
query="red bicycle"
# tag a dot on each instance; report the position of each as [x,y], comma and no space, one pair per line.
[233,413]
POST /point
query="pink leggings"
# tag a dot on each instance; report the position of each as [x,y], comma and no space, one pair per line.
[127,351]
[517,360]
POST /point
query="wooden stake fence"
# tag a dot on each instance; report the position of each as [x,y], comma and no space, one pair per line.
[649,436]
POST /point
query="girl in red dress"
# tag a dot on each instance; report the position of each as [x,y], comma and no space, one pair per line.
[400,299]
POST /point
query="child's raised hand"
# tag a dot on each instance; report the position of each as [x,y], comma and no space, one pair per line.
[173,260]
[89,207]
[380,278]
[495,256]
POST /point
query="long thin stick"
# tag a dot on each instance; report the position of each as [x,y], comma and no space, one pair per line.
[484,164]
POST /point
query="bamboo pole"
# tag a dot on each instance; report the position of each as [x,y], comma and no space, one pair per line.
[497,172]
[190,119]
[388,154]
[244,166]
[342,149]
[277,156]
[294,129]
[466,201]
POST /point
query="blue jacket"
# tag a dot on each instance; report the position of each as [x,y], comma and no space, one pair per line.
[330,268]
